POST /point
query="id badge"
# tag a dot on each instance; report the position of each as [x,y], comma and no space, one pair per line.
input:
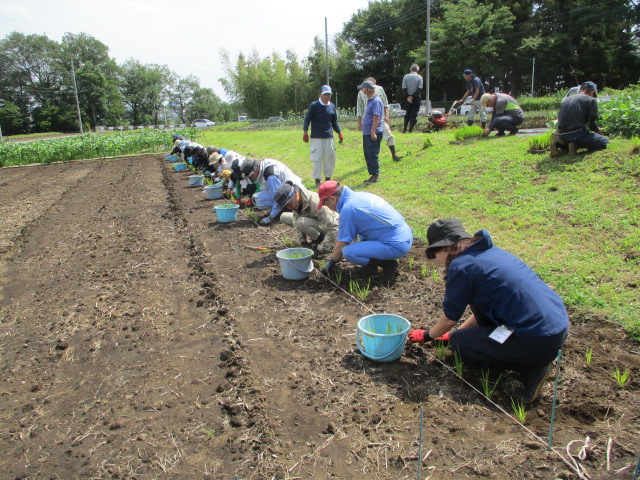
[501,334]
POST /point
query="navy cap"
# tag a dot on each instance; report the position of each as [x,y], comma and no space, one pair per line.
[467,72]
[367,84]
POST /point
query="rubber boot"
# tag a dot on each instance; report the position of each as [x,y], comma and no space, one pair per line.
[372,179]
[368,269]
[573,150]
[389,269]
[317,182]
[395,157]
[411,125]
[484,125]
[553,145]
[406,122]
[469,123]
[533,381]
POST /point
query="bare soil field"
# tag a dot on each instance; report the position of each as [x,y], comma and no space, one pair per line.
[142,339]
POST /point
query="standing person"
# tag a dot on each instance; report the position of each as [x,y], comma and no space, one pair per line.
[411,89]
[576,114]
[316,226]
[507,113]
[323,117]
[475,89]
[384,235]
[517,321]
[361,106]
[372,130]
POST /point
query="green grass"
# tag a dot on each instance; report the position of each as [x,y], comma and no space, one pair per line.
[574,220]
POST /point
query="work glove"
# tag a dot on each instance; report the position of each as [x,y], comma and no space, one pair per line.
[419,336]
[238,201]
[265,221]
[317,253]
[329,266]
[305,138]
[443,338]
[341,137]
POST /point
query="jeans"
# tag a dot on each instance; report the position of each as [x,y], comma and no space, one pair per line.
[508,121]
[412,109]
[584,139]
[372,153]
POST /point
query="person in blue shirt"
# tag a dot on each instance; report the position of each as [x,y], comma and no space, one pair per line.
[517,321]
[323,117]
[372,130]
[384,235]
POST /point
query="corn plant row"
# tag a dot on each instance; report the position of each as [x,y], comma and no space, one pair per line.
[88,145]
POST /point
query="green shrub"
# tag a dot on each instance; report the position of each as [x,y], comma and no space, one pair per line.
[621,115]
[540,142]
[529,104]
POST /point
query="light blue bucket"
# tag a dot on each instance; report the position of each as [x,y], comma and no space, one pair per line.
[196,180]
[180,166]
[381,337]
[298,268]
[213,191]
[171,158]
[227,212]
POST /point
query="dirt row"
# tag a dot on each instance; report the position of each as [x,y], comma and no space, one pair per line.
[140,338]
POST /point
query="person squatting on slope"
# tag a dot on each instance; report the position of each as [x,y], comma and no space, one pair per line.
[507,113]
[517,322]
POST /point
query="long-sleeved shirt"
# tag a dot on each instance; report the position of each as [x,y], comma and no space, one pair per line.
[323,119]
[328,220]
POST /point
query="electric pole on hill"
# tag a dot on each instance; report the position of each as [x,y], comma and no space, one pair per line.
[427,72]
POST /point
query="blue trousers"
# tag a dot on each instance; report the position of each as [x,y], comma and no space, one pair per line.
[372,153]
[359,253]
[584,139]
[507,121]
[516,353]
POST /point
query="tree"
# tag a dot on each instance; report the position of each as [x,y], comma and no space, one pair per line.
[144,88]
[12,119]
[181,94]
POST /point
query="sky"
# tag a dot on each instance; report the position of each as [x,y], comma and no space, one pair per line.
[185,35]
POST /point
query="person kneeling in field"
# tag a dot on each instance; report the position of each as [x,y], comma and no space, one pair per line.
[517,322]
[507,113]
[316,228]
[384,235]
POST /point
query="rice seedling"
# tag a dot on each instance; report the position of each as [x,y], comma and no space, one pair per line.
[486,383]
[441,350]
[519,410]
[588,355]
[457,362]
[466,133]
[540,142]
[423,270]
[411,261]
[360,292]
[287,242]
[427,143]
[337,275]
[253,216]
[435,275]
[621,378]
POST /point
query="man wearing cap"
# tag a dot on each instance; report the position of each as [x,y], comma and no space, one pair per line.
[507,113]
[361,106]
[475,89]
[411,90]
[576,114]
[315,228]
[372,130]
[384,235]
[323,117]
[517,321]
[269,174]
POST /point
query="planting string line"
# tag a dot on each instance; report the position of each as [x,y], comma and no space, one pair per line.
[571,464]
[555,396]
[420,445]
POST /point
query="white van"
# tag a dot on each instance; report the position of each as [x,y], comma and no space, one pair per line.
[243,118]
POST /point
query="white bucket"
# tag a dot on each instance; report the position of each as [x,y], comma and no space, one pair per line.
[196,180]
[213,191]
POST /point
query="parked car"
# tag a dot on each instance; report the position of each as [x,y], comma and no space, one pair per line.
[600,98]
[395,110]
[243,118]
[276,119]
[203,122]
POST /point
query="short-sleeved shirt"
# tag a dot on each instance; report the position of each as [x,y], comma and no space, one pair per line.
[474,83]
[374,107]
[501,289]
[361,104]
[365,215]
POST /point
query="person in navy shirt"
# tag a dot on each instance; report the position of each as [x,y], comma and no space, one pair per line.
[384,235]
[517,321]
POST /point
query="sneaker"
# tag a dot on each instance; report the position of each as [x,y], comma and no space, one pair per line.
[372,179]
[573,150]
[533,380]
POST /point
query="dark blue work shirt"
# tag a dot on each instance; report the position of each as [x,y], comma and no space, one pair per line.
[474,83]
[501,289]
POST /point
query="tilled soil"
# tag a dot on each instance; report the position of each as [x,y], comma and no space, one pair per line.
[142,339]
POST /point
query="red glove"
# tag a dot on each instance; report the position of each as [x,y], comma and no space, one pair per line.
[305,138]
[248,203]
[341,137]
[238,201]
[417,336]
[443,338]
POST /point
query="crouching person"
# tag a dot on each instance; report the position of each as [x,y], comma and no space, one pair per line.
[316,226]
[517,323]
[384,235]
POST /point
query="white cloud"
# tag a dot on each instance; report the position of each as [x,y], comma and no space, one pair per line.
[16,12]
[142,7]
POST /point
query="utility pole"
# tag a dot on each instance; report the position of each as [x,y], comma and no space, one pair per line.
[1,140]
[427,71]
[533,72]
[75,89]
[326,47]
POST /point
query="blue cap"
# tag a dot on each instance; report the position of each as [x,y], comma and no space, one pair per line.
[590,86]
[467,72]
[326,89]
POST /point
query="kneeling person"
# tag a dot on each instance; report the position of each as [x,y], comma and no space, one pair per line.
[507,113]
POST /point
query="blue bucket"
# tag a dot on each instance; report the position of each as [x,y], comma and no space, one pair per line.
[381,337]
[213,191]
[180,166]
[227,212]
[171,158]
[298,268]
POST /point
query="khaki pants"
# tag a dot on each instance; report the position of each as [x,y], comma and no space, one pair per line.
[309,226]
[323,156]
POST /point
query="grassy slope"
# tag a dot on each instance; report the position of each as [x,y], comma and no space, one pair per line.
[576,221]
